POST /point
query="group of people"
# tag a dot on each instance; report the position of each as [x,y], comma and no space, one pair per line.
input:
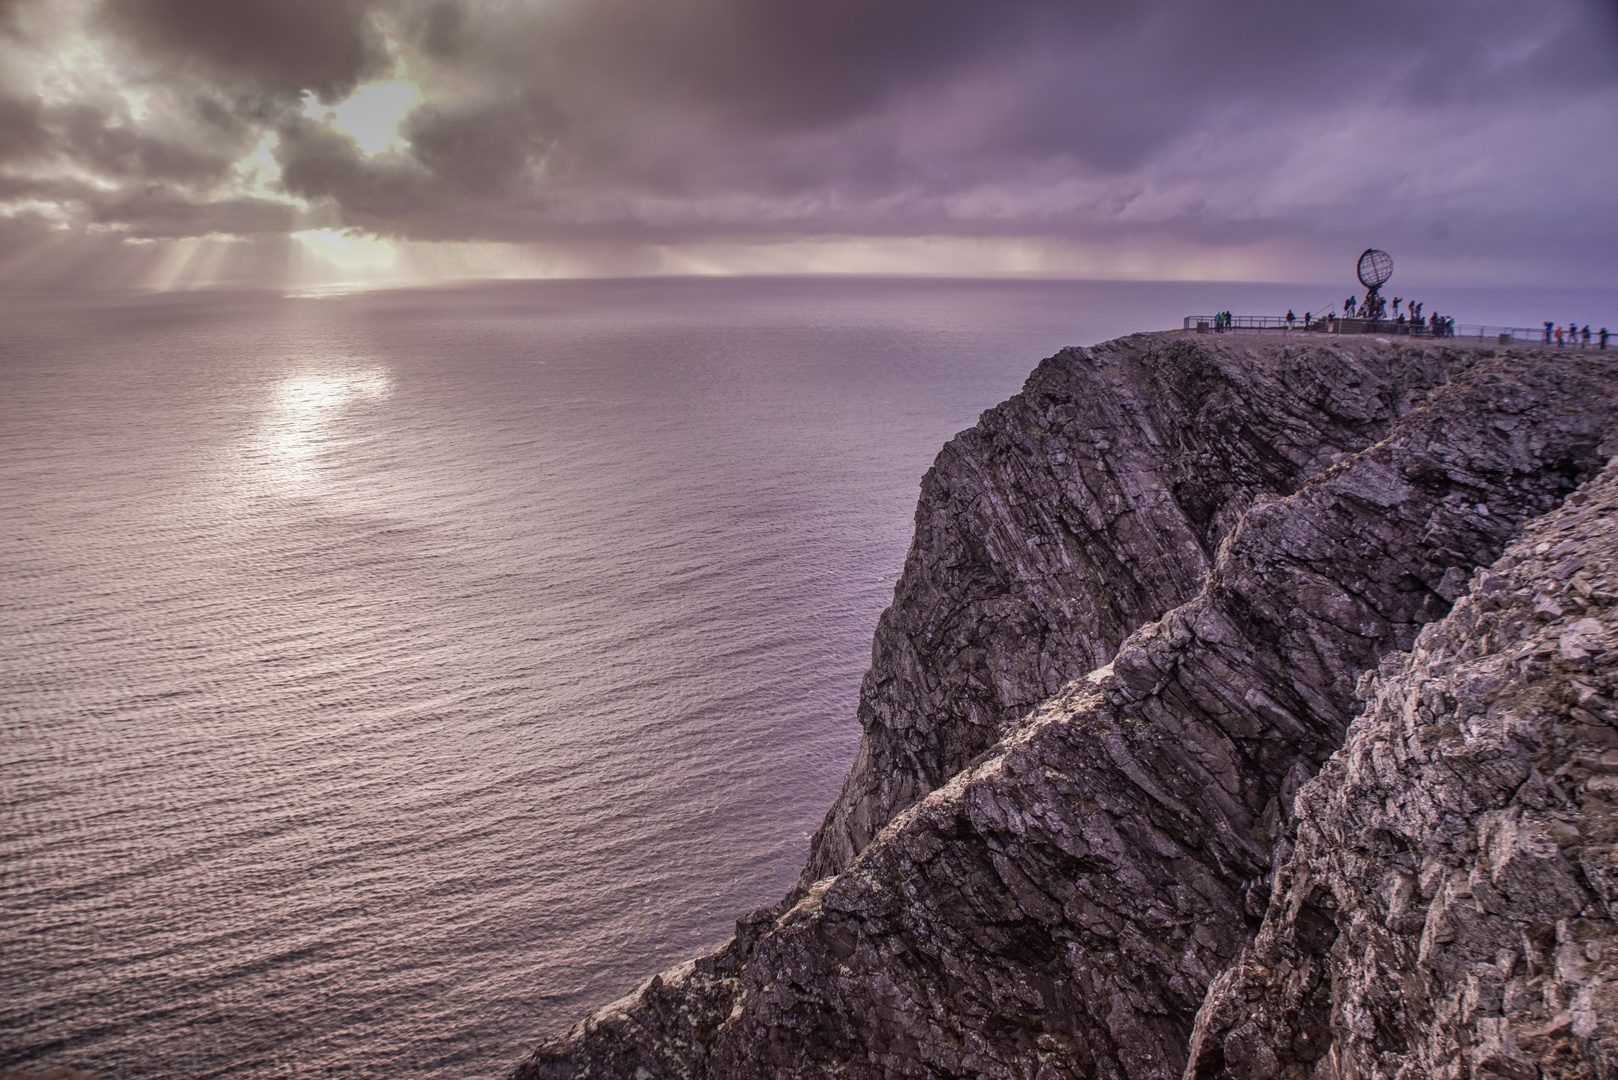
[1410,321]
[1437,325]
[1573,334]
[1375,307]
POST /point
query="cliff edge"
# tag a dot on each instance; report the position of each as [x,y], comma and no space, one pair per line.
[1131,629]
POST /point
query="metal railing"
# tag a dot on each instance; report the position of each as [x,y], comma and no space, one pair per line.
[1329,324]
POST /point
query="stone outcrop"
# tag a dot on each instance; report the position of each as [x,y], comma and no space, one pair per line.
[1090,503]
[1079,875]
[1448,909]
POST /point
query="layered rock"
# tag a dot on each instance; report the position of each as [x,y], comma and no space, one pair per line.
[1060,905]
[1087,505]
[1449,908]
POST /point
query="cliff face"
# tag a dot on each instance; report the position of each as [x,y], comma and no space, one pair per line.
[1085,506]
[1243,529]
[1448,910]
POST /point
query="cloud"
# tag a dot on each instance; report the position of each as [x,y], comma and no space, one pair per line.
[22,135]
[735,121]
[325,47]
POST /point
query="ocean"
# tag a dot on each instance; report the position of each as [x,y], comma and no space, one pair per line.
[391,677]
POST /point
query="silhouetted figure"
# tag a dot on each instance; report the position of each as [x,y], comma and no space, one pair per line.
[1585,335]
[1603,337]
[1291,318]
[1547,332]
[1397,300]
[1558,335]
[1348,308]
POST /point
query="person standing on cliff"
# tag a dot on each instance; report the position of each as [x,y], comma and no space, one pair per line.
[1559,335]
[1291,318]
[1603,337]
[1585,336]
[1547,333]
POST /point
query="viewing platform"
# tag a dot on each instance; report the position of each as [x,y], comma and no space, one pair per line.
[1276,324]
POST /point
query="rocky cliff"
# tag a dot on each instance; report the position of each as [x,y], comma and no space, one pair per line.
[1130,630]
[1447,910]
[1085,506]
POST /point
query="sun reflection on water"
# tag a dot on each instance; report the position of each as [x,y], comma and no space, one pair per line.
[308,424]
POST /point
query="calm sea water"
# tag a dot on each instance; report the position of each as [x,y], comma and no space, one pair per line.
[387,679]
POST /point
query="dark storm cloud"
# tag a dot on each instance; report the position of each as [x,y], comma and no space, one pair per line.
[776,64]
[776,100]
[280,46]
[317,162]
[1108,79]
[481,151]
[650,120]
[8,15]
[22,134]
[116,150]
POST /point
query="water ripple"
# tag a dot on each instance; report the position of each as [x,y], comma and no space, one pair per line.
[388,679]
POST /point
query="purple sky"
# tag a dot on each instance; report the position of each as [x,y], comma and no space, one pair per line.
[182,140]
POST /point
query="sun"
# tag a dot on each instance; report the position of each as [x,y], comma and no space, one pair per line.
[371,114]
